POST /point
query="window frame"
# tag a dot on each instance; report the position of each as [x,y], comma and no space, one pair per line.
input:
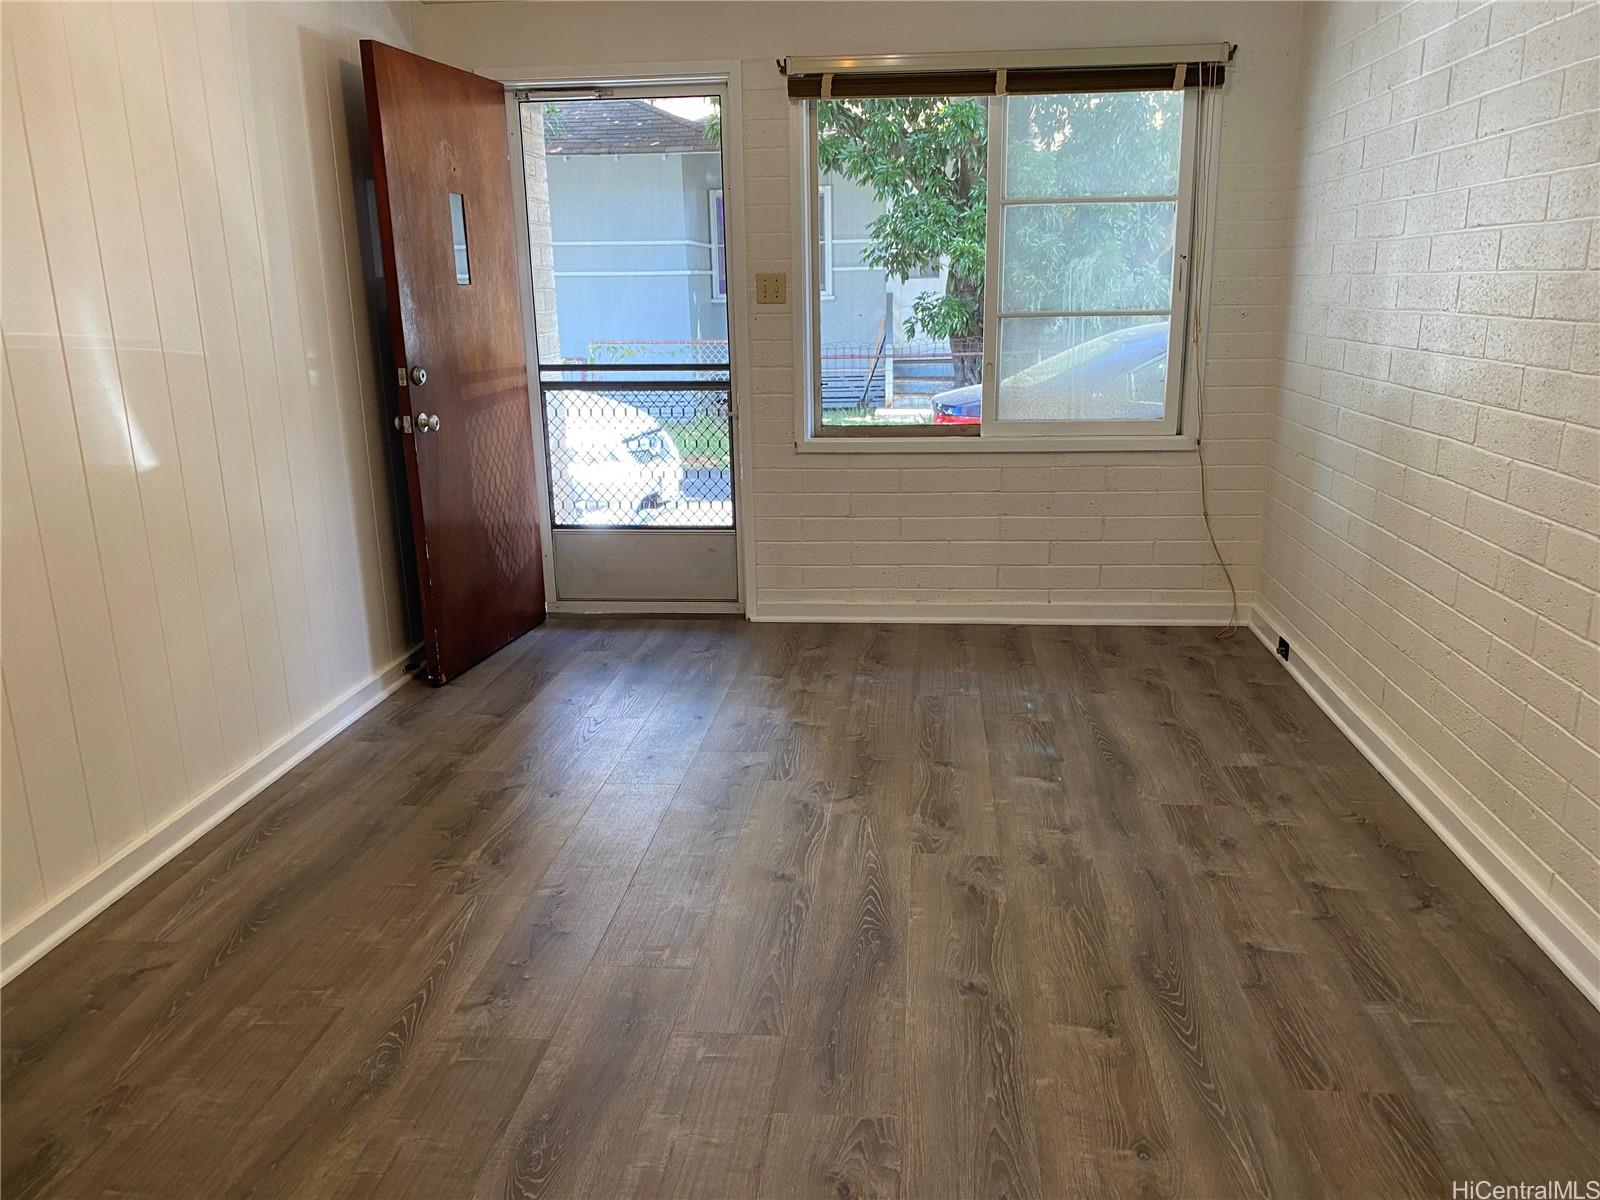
[719,248]
[1191,287]
[1178,315]
[718,243]
[825,224]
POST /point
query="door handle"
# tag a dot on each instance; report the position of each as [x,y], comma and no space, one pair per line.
[427,423]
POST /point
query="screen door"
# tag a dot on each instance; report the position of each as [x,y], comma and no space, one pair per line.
[630,278]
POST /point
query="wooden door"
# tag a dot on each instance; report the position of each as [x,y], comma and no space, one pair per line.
[459,374]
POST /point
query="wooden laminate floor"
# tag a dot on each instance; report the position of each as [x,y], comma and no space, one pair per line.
[710,909]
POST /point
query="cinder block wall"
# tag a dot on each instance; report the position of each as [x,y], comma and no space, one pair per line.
[1431,495]
[1073,531]
[957,535]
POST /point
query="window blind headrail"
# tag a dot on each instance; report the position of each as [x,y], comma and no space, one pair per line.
[1142,69]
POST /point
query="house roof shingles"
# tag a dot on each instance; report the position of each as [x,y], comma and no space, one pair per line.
[619,127]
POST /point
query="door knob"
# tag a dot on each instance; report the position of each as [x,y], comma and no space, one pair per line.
[419,376]
[427,422]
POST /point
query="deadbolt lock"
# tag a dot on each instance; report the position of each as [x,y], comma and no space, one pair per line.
[419,376]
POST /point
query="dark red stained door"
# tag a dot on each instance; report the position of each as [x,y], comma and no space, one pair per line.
[445,218]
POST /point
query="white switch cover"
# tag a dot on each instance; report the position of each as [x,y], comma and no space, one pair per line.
[771,287]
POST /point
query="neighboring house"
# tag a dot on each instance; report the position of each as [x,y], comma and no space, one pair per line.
[629,188]
[638,238]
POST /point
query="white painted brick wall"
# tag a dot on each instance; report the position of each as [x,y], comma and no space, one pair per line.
[1431,503]
[1006,528]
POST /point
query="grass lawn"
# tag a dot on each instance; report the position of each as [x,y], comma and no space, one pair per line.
[703,441]
[855,416]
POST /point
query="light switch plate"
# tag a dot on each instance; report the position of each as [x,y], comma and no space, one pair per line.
[772,287]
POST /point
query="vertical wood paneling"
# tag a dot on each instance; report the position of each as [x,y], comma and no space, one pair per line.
[162,209]
[299,390]
[273,43]
[246,267]
[328,533]
[331,90]
[198,555]
[202,206]
[21,886]
[58,465]
[47,737]
[114,194]
[115,448]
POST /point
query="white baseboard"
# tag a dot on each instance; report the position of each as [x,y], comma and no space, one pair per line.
[1108,613]
[1520,896]
[52,924]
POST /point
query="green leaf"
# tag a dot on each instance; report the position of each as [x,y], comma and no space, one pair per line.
[924,158]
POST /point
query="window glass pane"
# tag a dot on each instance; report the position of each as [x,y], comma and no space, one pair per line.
[825,241]
[1093,144]
[458,237]
[901,309]
[1097,257]
[1082,244]
[627,222]
[719,246]
[637,267]
[1082,369]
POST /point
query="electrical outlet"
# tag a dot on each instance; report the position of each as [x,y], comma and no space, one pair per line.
[772,287]
[1283,648]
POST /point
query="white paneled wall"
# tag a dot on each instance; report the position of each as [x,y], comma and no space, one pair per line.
[1433,503]
[198,526]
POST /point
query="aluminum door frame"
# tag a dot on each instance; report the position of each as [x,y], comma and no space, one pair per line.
[719,78]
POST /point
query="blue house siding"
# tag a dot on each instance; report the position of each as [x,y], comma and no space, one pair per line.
[631,236]
[854,313]
[633,263]
[632,241]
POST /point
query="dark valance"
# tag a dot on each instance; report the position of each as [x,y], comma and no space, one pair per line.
[956,75]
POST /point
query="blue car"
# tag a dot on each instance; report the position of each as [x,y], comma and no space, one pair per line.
[1118,376]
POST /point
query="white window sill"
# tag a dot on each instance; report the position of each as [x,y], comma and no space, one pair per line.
[868,444]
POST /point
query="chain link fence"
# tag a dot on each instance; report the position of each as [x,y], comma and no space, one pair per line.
[711,353]
[639,452]
[862,377]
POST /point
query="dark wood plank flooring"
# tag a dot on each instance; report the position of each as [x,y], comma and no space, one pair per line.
[710,909]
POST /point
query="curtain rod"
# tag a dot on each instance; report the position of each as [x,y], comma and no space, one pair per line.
[1104,56]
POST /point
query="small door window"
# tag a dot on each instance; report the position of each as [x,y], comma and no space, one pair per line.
[458,237]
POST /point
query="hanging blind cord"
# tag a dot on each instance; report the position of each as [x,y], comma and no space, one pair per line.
[1202,203]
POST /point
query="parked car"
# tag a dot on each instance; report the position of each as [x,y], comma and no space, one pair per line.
[1119,376]
[610,461]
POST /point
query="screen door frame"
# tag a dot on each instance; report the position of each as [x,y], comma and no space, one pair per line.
[720,79]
